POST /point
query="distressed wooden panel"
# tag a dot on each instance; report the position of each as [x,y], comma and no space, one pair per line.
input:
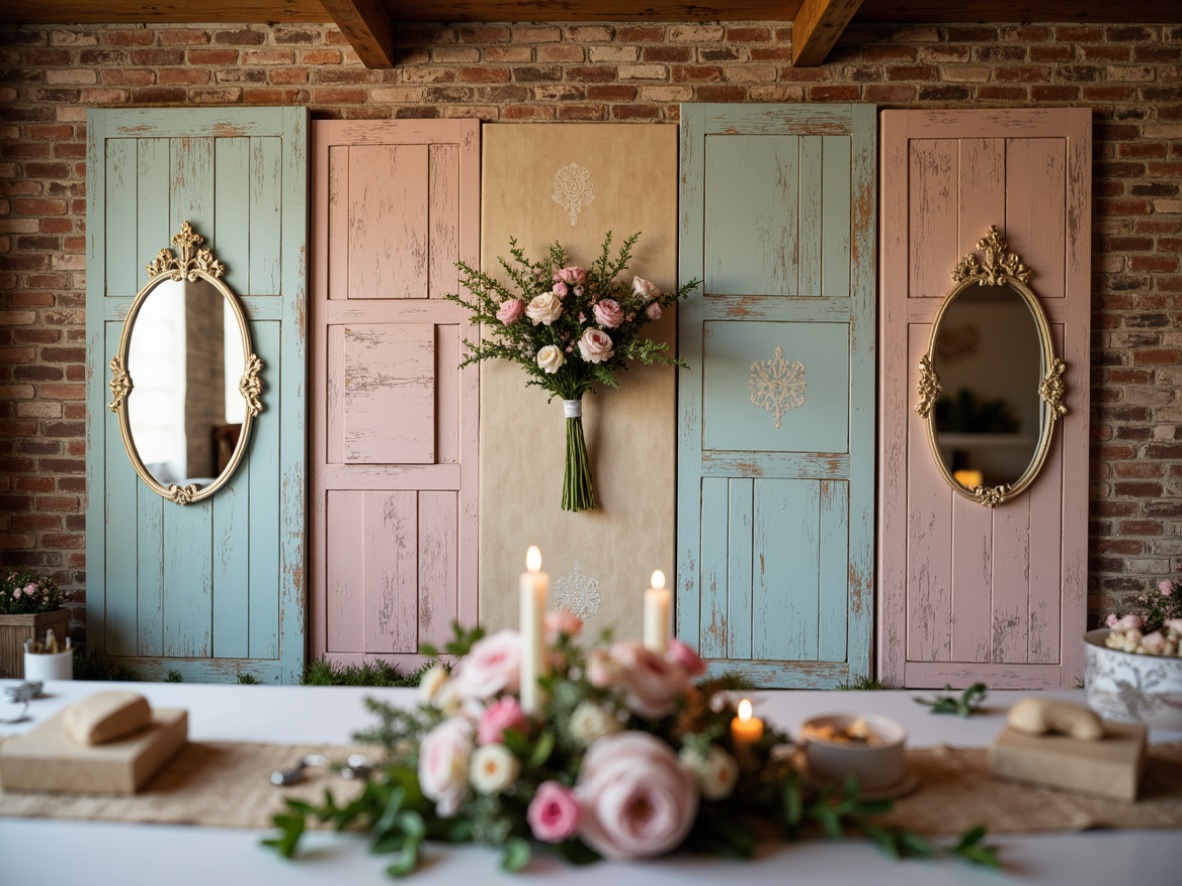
[777,211]
[393,418]
[213,588]
[1004,581]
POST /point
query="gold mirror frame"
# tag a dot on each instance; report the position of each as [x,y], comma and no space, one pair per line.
[190,264]
[998,267]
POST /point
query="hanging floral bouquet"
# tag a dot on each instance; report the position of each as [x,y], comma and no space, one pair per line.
[630,757]
[570,327]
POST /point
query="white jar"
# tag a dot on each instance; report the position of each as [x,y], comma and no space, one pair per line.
[49,665]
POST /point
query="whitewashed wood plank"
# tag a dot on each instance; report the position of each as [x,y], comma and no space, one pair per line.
[713,587]
[391,572]
[787,570]
[388,228]
[740,531]
[1011,581]
[833,586]
[934,246]
[972,580]
[438,578]
[448,397]
[443,216]
[1035,220]
[266,485]
[813,191]
[839,234]
[266,216]
[346,577]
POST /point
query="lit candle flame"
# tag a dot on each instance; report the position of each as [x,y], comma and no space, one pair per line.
[658,579]
[533,559]
[744,711]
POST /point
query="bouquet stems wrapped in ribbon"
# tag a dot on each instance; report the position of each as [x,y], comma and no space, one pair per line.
[569,327]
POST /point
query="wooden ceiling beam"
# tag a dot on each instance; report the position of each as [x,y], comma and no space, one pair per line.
[817,26]
[367,26]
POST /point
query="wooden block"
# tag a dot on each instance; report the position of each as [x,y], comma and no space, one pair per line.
[107,716]
[47,759]
[1108,767]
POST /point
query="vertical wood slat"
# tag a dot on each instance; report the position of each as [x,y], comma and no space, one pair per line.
[981,203]
[1035,197]
[785,584]
[448,399]
[972,581]
[810,219]
[188,605]
[740,528]
[123,266]
[266,485]
[438,574]
[934,229]
[391,554]
[266,216]
[150,577]
[232,221]
[332,187]
[388,227]
[121,603]
[836,222]
[713,592]
[443,216]
[345,574]
[833,583]
[231,569]
[1011,581]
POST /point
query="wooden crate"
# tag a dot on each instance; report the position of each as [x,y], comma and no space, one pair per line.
[15,629]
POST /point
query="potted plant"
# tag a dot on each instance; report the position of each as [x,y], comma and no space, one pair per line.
[30,606]
[1134,665]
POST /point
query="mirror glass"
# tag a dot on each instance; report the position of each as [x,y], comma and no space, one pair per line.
[186,357]
[987,353]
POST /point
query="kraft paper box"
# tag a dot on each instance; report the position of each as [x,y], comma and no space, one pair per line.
[47,759]
[1110,767]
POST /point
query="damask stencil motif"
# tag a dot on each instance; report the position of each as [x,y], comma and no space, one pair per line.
[577,592]
[777,385]
[573,190]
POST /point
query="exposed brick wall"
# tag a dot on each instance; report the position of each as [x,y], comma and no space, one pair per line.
[1131,76]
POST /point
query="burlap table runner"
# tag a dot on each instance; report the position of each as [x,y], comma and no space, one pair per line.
[226,784]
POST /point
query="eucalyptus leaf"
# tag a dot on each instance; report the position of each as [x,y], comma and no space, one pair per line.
[516,854]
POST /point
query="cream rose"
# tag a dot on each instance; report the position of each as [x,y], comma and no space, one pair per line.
[637,799]
[432,682]
[443,764]
[716,772]
[596,346]
[645,288]
[492,665]
[494,768]
[608,313]
[544,308]
[551,358]
[589,723]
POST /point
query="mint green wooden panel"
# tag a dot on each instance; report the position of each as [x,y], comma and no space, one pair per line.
[712,636]
[265,480]
[752,248]
[739,567]
[214,588]
[785,584]
[777,216]
[733,422]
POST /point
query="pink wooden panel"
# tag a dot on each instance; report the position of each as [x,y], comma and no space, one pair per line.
[981,202]
[390,549]
[388,402]
[438,566]
[929,548]
[933,176]
[972,580]
[388,221]
[393,421]
[444,219]
[1011,580]
[1036,184]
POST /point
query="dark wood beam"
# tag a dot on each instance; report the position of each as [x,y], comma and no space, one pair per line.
[367,26]
[817,26]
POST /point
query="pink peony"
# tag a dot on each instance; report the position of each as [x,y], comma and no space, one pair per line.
[1111,620]
[572,274]
[1166,587]
[685,657]
[1128,623]
[562,622]
[596,346]
[504,713]
[443,764]
[651,684]
[637,799]
[609,313]
[554,814]
[560,289]
[492,665]
[510,311]
[653,311]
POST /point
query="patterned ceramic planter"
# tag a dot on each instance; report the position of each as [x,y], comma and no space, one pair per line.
[15,629]
[1133,688]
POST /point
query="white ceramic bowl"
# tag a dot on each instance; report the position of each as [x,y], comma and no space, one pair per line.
[1132,688]
[877,766]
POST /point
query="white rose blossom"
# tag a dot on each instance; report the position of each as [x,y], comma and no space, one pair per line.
[544,309]
[589,723]
[551,358]
[716,772]
[431,683]
[596,346]
[493,768]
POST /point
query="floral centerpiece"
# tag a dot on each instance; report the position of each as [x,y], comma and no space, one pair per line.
[569,327]
[634,754]
[23,593]
[1155,628]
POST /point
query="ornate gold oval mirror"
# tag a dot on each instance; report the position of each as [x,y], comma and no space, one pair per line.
[186,379]
[990,385]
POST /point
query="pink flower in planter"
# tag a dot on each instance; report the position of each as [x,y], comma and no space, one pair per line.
[1166,587]
[1128,623]
[31,590]
[504,713]
[1111,620]
[554,814]
[1154,642]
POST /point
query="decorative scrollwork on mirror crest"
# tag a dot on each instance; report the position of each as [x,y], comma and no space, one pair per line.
[189,264]
[997,267]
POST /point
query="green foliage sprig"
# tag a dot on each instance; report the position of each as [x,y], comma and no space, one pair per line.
[966,705]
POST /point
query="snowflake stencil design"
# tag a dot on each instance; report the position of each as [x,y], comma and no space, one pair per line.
[577,592]
[573,190]
[777,385]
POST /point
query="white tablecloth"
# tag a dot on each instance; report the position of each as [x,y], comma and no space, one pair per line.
[76,853]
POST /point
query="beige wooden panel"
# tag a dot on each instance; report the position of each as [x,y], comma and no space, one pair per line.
[630,432]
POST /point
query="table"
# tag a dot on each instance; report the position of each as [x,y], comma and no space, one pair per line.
[61,852]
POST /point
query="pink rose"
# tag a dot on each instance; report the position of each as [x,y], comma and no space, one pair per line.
[560,289]
[510,311]
[651,684]
[16,595]
[492,665]
[644,288]
[562,622]
[1166,587]
[1154,642]
[572,274]
[602,669]
[554,814]
[653,311]
[609,313]
[443,764]
[1128,623]
[1111,620]
[504,713]
[685,658]
[596,346]
[637,799]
